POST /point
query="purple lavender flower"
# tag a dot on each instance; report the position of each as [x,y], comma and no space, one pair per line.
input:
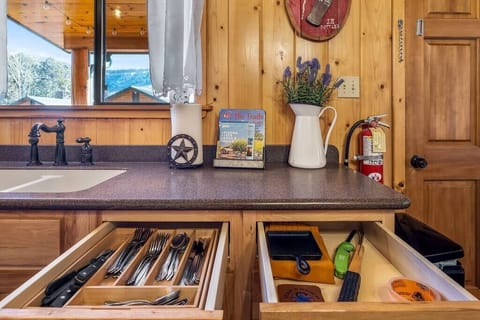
[301,67]
[307,87]
[338,83]
[327,76]
[287,74]
[314,66]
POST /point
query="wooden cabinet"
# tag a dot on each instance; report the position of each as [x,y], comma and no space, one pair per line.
[241,298]
[31,240]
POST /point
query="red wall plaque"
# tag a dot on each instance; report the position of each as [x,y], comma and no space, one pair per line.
[317,20]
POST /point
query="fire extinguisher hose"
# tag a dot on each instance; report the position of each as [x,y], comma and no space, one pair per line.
[347,142]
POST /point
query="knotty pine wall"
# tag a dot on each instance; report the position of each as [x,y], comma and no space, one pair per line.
[248,44]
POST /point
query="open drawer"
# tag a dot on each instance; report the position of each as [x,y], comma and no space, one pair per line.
[198,256]
[385,257]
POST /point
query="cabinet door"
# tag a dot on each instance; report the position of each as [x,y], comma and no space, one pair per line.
[27,245]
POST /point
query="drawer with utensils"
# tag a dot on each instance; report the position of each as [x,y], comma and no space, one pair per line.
[129,266]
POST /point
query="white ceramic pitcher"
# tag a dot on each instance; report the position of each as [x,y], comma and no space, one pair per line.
[307,149]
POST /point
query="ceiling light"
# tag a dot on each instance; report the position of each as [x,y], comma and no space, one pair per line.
[68,21]
[46,5]
[114,32]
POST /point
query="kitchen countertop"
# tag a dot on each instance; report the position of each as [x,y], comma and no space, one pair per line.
[154,186]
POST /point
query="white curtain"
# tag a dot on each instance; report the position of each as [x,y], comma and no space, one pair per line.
[175,47]
[3,50]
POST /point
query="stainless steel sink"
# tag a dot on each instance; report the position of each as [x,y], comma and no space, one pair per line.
[53,180]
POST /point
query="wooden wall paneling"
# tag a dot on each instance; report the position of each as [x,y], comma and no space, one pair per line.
[78,127]
[278,53]
[344,57]
[150,131]
[217,66]
[113,132]
[11,131]
[398,96]
[376,62]
[452,208]
[244,48]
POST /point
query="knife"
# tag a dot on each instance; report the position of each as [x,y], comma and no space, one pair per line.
[319,9]
[62,289]
[351,282]
[85,274]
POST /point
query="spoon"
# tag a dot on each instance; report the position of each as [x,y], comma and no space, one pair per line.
[180,240]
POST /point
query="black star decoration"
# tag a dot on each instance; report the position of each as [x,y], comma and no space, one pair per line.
[181,151]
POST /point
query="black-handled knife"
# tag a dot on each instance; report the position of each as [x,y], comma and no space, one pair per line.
[59,291]
[86,273]
[59,283]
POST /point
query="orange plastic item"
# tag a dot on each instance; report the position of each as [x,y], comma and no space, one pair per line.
[402,289]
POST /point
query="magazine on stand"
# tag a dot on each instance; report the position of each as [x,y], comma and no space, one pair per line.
[241,139]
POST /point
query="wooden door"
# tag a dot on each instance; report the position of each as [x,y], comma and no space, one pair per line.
[443,121]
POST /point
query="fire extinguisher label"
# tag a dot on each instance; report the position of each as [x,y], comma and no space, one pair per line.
[371,158]
[378,140]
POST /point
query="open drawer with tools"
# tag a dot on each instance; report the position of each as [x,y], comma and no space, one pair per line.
[123,270]
[384,261]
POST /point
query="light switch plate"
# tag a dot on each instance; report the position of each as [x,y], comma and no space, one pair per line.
[350,88]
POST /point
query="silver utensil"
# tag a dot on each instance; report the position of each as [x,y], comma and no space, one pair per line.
[170,266]
[139,238]
[139,276]
[169,298]
[191,275]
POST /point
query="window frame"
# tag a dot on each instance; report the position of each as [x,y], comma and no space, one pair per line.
[100,55]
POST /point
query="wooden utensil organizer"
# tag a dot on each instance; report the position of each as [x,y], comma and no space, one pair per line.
[100,288]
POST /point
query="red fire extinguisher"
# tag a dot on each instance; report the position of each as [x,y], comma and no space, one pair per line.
[372,146]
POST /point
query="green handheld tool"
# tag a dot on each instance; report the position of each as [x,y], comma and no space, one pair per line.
[342,256]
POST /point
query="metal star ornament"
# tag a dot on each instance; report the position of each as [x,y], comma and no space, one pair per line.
[186,151]
[182,151]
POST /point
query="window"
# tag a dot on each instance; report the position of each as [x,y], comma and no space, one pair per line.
[65,67]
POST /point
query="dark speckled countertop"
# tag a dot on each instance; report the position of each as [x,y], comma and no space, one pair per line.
[154,186]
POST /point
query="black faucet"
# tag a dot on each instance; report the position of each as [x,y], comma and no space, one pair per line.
[34,137]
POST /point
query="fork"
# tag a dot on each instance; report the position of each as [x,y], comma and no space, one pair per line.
[138,277]
[139,238]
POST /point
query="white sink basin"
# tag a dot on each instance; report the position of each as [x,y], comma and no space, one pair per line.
[53,180]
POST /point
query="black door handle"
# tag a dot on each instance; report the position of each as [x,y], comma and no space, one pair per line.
[418,162]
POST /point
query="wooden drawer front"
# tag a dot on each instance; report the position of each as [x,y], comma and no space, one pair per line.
[29,242]
[386,256]
[91,298]
[10,279]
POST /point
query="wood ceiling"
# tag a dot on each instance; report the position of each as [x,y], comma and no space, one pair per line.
[69,23]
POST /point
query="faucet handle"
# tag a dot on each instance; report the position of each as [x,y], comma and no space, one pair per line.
[86,151]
